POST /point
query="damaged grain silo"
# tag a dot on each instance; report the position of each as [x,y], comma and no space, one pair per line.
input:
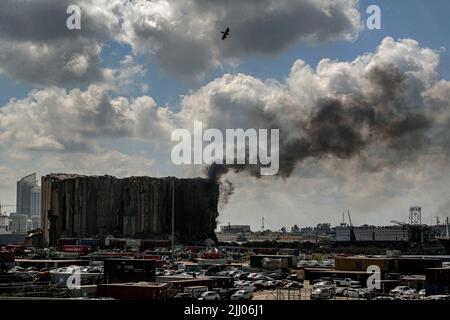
[137,207]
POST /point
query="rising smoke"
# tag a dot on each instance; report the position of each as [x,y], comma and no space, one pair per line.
[343,127]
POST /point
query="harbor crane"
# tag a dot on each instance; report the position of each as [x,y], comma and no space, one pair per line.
[352,229]
[399,223]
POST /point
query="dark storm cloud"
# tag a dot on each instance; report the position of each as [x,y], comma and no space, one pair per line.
[268,27]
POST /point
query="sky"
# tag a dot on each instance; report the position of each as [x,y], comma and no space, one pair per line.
[105,99]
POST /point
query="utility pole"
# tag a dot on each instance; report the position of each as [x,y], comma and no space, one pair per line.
[173,216]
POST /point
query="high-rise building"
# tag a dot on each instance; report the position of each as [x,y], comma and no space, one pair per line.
[19,223]
[4,224]
[28,196]
[35,201]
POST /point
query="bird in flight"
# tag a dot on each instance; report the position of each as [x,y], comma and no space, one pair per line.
[225,33]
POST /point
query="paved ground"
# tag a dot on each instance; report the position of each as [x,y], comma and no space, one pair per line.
[295,294]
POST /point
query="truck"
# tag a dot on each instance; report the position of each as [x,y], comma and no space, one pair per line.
[347,282]
[196,291]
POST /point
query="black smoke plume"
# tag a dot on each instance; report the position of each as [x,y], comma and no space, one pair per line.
[344,126]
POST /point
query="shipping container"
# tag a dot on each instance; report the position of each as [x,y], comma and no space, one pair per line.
[362,263]
[129,270]
[195,291]
[286,261]
[411,266]
[15,248]
[180,284]
[7,256]
[133,291]
[93,243]
[82,250]
[117,243]
[265,251]
[440,276]
[67,242]
[154,244]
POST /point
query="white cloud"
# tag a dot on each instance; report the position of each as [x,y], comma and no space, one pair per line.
[54,119]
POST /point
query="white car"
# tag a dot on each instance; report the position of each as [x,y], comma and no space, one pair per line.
[250,288]
[262,277]
[242,295]
[322,293]
[352,293]
[422,294]
[439,297]
[399,290]
[357,293]
[355,284]
[343,282]
[323,284]
[209,295]
[410,294]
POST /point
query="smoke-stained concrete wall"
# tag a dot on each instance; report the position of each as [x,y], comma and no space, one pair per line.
[140,207]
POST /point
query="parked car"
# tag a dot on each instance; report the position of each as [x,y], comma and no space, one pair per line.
[343,282]
[260,284]
[248,287]
[293,285]
[410,294]
[352,293]
[357,293]
[399,290]
[276,276]
[327,263]
[422,294]
[184,296]
[220,291]
[209,295]
[262,277]
[242,295]
[355,284]
[323,284]
[322,293]
[239,283]
[341,291]
[243,276]
[383,298]
[444,297]
[292,276]
[327,279]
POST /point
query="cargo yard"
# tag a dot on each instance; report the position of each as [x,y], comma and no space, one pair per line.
[155,239]
[149,269]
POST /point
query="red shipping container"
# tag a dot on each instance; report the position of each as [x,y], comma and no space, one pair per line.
[76,249]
